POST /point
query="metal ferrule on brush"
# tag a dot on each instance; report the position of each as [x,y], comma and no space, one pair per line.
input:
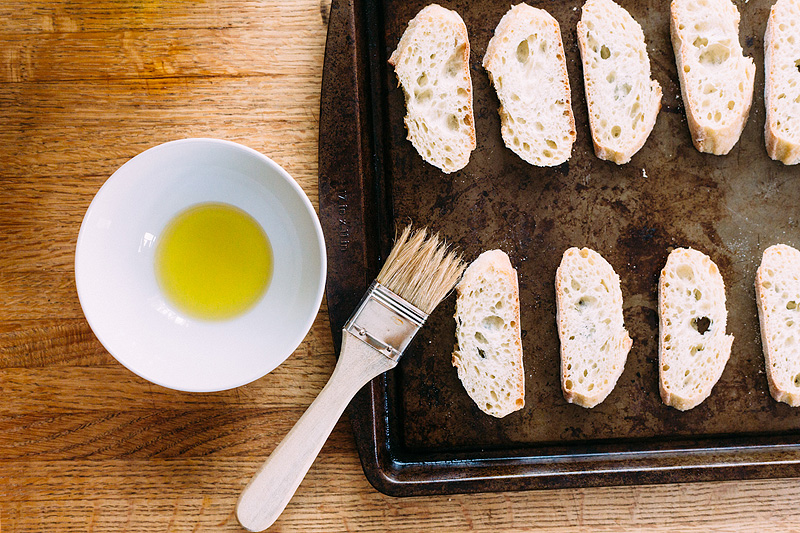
[385,321]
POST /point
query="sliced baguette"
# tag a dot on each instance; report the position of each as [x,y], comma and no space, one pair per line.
[716,79]
[782,83]
[623,101]
[693,347]
[778,299]
[594,342]
[526,64]
[432,66]
[488,351]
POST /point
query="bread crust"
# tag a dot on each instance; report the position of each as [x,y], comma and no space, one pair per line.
[706,137]
[436,12]
[601,392]
[723,348]
[499,264]
[779,391]
[519,19]
[780,147]
[607,152]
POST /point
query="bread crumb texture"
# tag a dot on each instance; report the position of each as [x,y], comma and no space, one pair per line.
[782,82]
[488,351]
[716,78]
[432,65]
[693,346]
[778,298]
[623,101]
[594,342]
[526,64]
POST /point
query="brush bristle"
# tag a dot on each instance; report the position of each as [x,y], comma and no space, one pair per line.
[421,269]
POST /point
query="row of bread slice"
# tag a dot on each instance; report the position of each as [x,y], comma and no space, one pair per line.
[693,344]
[526,63]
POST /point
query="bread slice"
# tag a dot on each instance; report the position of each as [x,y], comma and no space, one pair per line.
[778,299]
[782,82]
[623,101]
[594,342]
[716,79]
[432,65]
[693,347]
[488,352]
[526,64]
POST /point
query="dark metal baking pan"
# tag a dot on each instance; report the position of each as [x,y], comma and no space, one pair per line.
[417,430]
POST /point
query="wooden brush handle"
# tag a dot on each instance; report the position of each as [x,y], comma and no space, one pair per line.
[270,490]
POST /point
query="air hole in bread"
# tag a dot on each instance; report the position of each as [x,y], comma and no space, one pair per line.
[551,143]
[611,77]
[423,96]
[453,65]
[700,41]
[697,294]
[665,368]
[452,122]
[481,339]
[616,131]
[482,354]
[492,322]
[590,387]
[568,384]
[695,349]
[797,380]
[790,304]
[422,80]
[523,52]
[604,52]
[731,104]
[685,272]
[701,325]
[797,64]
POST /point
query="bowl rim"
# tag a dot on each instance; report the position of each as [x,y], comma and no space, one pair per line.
[309,211]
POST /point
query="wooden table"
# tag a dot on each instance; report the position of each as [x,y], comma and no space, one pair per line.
[85,445]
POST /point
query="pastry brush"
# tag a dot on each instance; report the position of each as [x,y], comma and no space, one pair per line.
[419,272]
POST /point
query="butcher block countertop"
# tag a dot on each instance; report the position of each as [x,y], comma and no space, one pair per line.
[86,445]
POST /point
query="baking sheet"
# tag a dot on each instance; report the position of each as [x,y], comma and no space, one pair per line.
[418,423]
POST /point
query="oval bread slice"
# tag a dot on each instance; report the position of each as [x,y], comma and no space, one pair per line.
[432,66]
[623,101]
[778,298]
[488,352]
[782,83]
[526,64]
[716,79]
[594,342]
[693,347]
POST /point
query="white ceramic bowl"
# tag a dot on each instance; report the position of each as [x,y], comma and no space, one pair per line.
[115,274]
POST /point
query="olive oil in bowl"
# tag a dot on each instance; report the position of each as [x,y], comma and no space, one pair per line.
[213,261]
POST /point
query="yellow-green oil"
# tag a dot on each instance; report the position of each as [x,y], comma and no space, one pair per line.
[213,261]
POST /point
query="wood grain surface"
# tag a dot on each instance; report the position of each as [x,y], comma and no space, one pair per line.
[85,445]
